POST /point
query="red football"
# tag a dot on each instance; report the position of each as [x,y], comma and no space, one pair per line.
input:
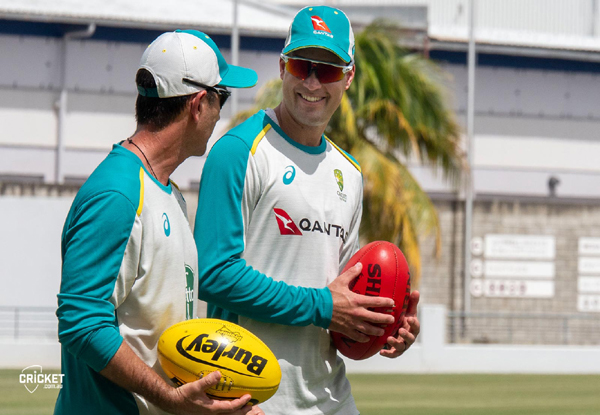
[384,274]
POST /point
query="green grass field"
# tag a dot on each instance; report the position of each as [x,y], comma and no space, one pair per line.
[16,400]
[407,394]
[476,394]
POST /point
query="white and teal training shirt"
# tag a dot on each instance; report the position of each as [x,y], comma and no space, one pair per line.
[276,222]
[129,271]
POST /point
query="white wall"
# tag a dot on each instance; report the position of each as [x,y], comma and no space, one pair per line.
[530,123]
[30,249]
[100,103]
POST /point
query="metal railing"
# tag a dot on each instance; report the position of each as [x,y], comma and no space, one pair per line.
[40,323]
[523,328]
[18,323]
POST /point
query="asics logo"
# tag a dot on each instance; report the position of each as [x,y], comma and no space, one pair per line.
[166,224]
[289,175]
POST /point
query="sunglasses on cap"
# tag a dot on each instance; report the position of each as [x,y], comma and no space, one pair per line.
[326,72]
[222,93]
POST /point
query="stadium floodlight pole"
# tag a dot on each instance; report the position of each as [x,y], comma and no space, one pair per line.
[61,104]
[469,149]
[235,54]
[594,18]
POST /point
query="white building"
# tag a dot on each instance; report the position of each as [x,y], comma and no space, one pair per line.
[67,94]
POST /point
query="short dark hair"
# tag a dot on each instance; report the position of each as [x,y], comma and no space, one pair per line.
[156,113]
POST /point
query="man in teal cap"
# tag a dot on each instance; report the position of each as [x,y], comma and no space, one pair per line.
[129,261]
[278,216]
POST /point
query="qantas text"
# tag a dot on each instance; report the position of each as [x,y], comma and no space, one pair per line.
[328,228]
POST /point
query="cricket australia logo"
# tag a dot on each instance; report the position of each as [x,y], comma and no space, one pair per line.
[339,178]
[33,376]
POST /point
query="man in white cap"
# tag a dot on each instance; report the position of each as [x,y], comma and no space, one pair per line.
[129,262]
[278,216]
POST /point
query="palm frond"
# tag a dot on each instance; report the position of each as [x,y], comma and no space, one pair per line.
[387,72]
[395,207]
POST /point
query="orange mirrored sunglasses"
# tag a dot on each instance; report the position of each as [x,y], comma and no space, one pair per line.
[326,72]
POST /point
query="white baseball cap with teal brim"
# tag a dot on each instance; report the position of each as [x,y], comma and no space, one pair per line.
[180,60]
[321,27]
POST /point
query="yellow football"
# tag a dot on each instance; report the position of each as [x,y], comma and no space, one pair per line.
[189,350]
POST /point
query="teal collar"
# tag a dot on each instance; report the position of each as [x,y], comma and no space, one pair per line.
[119,149]
[307,149]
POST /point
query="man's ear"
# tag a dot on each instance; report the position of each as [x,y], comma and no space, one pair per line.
[196,104]
[281,68]
[350,77]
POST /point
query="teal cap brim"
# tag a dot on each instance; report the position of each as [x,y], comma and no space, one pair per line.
[231,76]
[238,77]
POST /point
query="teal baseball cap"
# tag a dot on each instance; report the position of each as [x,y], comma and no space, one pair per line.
[180,60]
[321,27]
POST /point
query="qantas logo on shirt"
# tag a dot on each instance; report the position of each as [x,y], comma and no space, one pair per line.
[286,224]
[288,227]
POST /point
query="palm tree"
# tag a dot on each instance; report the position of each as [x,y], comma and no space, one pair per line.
[394,111]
